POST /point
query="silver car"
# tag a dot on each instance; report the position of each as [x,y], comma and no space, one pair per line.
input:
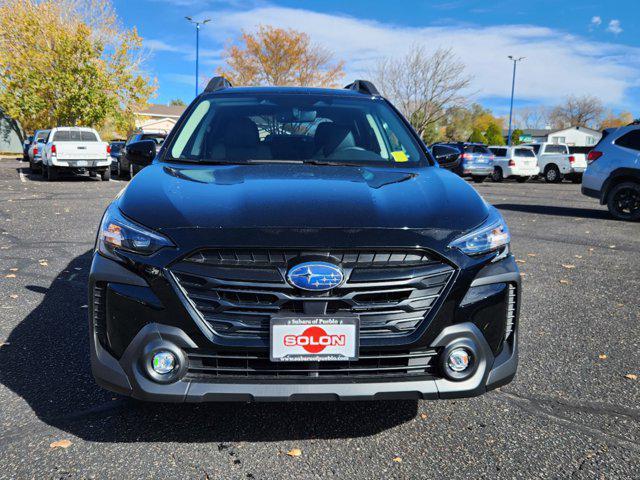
[613,172]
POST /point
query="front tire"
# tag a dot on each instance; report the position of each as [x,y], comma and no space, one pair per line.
[105,175]
[623,201]
[478,178]
[552,174]
[497,175]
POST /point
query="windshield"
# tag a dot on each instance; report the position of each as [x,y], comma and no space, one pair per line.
[294,127]
[524,152]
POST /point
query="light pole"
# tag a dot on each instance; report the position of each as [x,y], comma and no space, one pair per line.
[197,24]
[513,86]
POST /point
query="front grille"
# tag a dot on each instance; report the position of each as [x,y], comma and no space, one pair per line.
[237,292]
[229,366]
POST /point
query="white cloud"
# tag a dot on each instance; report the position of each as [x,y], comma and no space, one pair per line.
[596,21]
[162,46]
[557,64]
[614,27]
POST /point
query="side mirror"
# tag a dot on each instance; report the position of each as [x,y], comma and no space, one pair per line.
[142,152]
[447,160]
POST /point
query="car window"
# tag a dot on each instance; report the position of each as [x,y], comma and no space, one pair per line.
[159,139]
[499,152]
[88,136]
[630,140]
[560,149]
[480,149]
[240,127]
[524,152]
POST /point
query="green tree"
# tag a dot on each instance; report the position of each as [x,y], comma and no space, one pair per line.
[177,102]
[494,135]
[477,136]
[515,136]
[68,62]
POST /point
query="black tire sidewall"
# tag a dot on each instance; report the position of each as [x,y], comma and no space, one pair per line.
[611,203]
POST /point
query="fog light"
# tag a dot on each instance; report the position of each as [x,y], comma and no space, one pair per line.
[163,362]
[459,360]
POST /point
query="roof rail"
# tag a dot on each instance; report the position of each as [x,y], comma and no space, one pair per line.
[363,86]
[217,83]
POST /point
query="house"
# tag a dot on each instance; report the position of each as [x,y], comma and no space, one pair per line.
[576,136]
[9,135]
[158,118]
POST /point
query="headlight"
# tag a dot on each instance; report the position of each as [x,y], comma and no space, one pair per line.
[489,237]
[119,233]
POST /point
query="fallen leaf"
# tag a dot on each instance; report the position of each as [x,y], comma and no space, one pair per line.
[631,376]
[620,305]
[565,281]
[397,459]
[568,265]
[13,269]
[602,356]
[520,261]
[43,263]
[578,256]
[424,416]
[13,295]
[10,275]
[61,444]
[587,231]
[532,254]
[612,246]
[592,249]
[294,452]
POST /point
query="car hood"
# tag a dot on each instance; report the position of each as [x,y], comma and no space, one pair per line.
[169,197]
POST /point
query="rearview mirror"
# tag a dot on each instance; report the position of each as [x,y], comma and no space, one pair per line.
[142,152]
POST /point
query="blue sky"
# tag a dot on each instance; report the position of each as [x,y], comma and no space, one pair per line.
[571,47]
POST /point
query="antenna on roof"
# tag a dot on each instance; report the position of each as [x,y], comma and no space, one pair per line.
[363,86]
[217,83]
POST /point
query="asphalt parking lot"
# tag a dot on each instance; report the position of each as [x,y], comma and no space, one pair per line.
[572,412]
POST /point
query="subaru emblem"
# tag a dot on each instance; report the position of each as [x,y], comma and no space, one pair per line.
[315,276]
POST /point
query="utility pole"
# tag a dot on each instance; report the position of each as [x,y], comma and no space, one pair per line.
[513,86]
[197,24]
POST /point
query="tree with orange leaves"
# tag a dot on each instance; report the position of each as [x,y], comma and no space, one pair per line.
[275,56]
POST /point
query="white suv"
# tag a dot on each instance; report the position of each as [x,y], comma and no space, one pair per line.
[613,172]
[514,162]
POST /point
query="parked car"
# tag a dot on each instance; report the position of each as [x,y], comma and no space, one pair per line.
[556,163]
[514,162]
[35,150]
[75,150]
[116,152]
[127,167]
[475,160]
[336,263]
[613,173]
[25,148]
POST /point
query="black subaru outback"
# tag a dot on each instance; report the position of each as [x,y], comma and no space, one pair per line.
[300,244]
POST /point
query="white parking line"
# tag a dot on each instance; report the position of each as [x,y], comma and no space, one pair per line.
[22,177]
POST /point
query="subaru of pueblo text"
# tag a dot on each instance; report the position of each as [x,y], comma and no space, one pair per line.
[299,244]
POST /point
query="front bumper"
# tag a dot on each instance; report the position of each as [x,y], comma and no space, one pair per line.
[124,373]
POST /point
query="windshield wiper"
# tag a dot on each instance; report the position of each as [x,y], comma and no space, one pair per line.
[332,163]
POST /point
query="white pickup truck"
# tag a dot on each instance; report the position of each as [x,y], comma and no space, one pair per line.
[556,162]
[75,149]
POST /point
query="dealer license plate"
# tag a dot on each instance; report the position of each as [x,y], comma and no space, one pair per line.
[302,339]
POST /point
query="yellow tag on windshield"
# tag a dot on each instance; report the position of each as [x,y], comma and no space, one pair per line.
[400,156]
